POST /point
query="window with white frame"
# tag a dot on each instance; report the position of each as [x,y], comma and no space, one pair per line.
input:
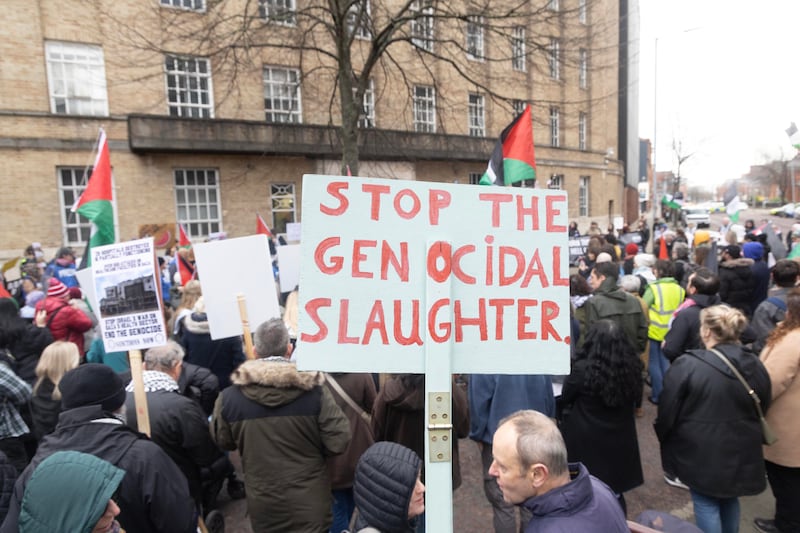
[71,184]
[555,127]
[582,11]
[283,12]
[475,178]
[76,77]
[583,196]
[422,24]
[282,103]
[358,19]
[582,131]
[197,201]
[191,5]
[189,88]
[475,37]
[554,59]
[284,206]
[367,117]
[518,60]
[424,109]
[556,182]
[519,106]
[583,67]
[552,5]
[476,115]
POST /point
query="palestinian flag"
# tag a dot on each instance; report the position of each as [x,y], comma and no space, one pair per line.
[261,227]
[96,202]
[183,239]
[513,159]
[671,202]
[732,204]
[794,135]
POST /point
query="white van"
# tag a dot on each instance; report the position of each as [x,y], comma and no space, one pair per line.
[699,214]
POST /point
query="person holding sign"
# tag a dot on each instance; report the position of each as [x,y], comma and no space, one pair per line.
[284,423]
[530,464]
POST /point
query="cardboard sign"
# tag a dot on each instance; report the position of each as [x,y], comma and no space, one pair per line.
[371,248]
[289,265]
[231,267]
[126,295]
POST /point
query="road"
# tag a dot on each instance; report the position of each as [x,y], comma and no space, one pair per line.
[472,513]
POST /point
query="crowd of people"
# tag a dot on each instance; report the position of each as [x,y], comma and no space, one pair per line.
[705,329]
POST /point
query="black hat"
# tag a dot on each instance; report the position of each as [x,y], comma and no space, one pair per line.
[92,384]
[733,250]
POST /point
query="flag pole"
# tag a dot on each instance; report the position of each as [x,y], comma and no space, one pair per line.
[72,215]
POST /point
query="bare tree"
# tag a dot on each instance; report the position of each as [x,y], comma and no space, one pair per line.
[343,44]
[773,173]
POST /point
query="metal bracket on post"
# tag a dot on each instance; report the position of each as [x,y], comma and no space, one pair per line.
[440,427]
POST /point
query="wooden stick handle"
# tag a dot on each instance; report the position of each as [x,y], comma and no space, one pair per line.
[248,338]
[139,396]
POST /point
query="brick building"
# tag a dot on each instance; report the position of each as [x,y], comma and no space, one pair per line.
[210,123]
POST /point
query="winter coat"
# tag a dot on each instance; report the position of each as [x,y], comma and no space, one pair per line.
[8,475]
[782,362]
[493,397]
[44,409]
[615,304]
[736,283]
[221,356]
[707,423]
[361,389]
[399,416]
[153,496]
[684,333]
[284,424]
[601,437]
[767,315]
[66,323]
[180,427]
[200,385]
[584,504]
[26,346]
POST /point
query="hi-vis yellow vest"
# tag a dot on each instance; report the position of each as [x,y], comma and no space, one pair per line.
[667,297]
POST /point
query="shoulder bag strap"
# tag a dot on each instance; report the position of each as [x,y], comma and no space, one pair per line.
[53,315]
[346,397]
[748,388]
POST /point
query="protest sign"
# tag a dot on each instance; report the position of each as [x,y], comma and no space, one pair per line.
[126,294]
[293,230]
[289,266]
[376,251]
[232,267]
[577,248]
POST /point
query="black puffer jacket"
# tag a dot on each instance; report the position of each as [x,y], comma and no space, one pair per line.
[199,384]
[736,283]
[707,423]
[385,478]
[684,334]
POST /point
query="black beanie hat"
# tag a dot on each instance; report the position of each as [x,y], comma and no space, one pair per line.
[92,384]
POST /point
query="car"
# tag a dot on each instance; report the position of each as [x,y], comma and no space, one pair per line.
[716,207]
[698,214]
[786,210]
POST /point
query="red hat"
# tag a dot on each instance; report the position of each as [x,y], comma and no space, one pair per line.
[631,249]
[56,289]
[75,293]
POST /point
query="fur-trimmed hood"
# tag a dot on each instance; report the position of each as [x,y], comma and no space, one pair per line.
[274,380]
[197,323]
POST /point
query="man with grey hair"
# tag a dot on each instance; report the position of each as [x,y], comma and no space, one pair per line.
[530,464]
[177,423]
[284,424]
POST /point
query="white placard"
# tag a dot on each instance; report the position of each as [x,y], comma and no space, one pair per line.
[293,230]
[231,267]
[619,222]
[370,246]
[289,266]
[126,295]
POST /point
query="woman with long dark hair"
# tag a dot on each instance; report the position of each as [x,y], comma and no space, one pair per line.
[782,361]
[598,404]
[708,425]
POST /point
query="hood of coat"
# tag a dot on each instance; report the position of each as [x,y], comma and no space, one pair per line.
[197,323]
[399,396]
[274,380]
[609,289]
[705,300]
[736,263]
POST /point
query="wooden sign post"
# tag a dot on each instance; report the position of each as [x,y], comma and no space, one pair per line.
[433,278]
[139,396]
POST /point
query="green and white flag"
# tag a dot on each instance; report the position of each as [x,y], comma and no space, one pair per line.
[96,202]
[669,201]
[732,203]
[794,135]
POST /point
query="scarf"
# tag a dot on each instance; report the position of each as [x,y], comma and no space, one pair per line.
[155,380]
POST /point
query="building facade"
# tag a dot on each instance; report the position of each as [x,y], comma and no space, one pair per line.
[215,110]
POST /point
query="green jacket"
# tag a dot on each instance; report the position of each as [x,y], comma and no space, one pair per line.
[611,302]
[284,424]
